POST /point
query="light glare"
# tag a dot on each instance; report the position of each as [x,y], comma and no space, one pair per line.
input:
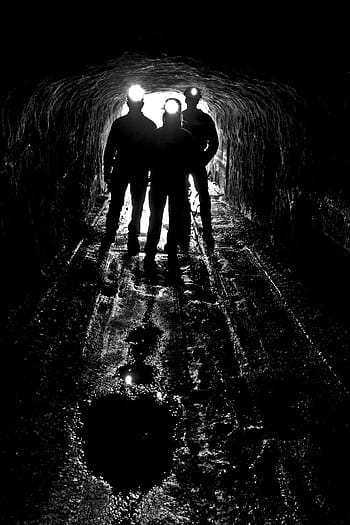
[136,93]
[128,379]
[154,105]
[171,107]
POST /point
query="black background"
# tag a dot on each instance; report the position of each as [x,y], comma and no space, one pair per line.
[289,42]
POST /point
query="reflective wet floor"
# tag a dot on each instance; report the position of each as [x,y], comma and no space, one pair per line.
[215,394]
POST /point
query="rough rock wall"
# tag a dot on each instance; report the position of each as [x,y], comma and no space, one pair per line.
[264,162]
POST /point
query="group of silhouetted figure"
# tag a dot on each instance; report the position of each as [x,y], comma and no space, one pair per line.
[136,151]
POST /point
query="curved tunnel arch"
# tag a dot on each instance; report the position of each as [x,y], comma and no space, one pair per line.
[56,145]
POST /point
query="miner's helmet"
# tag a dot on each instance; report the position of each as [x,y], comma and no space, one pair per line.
[172,112]
[135,96]
[192,93]
[172,106]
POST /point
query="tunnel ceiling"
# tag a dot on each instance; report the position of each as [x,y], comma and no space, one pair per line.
[78,74]
[75,72]
[84,102]
[81,62]
[89,61]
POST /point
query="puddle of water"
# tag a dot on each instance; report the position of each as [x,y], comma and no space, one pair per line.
[143,339]
[137,373]
[146,334]
[128,442]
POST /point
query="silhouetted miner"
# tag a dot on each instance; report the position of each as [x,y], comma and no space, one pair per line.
[203,129]
[127,161]
[174,154]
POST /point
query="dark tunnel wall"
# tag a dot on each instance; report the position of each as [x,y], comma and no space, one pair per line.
[54,134]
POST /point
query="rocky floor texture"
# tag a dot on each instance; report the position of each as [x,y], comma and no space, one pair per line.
[217,394]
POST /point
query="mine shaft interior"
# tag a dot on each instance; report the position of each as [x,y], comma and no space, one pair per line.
[216,395]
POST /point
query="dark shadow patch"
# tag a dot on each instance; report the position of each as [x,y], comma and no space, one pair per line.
[143,339]
[323,268]
[129,442]
[281,402]
[109,289]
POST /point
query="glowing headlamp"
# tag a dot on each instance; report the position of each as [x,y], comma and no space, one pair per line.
[136,93]
[172,106]
[192,92]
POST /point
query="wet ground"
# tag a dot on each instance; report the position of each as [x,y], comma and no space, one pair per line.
[215,395]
